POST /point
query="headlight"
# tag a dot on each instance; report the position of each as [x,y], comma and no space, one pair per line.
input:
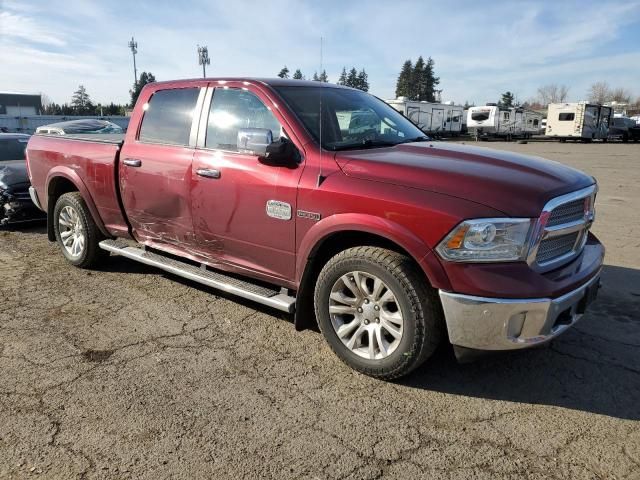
[487,240]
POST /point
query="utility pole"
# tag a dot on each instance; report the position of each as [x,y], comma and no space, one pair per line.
[203,59]
[133,45]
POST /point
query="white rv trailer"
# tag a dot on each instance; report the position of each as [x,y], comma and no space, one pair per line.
[493,120]
[578,121]
[439,119]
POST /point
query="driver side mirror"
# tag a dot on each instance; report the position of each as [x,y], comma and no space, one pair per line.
[282,152]
[254,140]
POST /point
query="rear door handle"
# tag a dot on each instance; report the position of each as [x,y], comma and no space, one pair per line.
[208,172]
[132,162]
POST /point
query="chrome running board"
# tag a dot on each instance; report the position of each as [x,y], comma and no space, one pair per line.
[270,296]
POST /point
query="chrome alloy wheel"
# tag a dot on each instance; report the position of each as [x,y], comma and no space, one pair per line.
[366,315]
[72,233]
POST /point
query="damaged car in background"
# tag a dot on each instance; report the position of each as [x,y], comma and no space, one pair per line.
[15,203]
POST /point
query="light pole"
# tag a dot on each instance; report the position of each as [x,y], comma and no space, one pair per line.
[203,59]
[133,45]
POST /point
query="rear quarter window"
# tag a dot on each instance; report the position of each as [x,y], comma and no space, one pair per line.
[168,116]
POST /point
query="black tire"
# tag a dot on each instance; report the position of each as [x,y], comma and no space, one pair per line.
[625,138]
[423,322]
[91,254]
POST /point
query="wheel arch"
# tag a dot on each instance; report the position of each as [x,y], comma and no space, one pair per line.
[62,180]
[314,254]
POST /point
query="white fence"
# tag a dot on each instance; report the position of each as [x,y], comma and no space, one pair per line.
[29,123]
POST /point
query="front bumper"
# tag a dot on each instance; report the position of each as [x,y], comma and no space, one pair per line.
[482,323]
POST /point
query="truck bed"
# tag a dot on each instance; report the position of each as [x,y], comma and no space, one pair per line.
[87,161]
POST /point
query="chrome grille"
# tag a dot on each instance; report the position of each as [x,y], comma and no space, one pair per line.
[555,247]
[561,232]
[567,213]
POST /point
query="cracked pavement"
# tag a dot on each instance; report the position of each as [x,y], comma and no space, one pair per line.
[127,372]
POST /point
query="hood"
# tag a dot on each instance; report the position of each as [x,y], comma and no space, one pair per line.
[515,184]
[13,175]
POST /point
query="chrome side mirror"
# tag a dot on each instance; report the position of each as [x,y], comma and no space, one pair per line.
[254,140]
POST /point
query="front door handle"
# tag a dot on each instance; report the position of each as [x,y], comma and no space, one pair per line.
[132,162]
[208,172]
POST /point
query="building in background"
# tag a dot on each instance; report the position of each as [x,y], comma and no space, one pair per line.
[20,104]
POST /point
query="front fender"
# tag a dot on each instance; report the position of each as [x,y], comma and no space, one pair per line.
[382,227]
[62,171]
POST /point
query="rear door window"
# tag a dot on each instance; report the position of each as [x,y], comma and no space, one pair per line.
[566,117]
[168,116]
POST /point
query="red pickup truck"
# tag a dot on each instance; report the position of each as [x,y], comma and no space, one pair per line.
[324,201]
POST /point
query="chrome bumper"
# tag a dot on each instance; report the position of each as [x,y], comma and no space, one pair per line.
[506,324]
[34,197]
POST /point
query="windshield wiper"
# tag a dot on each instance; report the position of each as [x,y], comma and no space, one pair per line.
[421,138]
[366,144]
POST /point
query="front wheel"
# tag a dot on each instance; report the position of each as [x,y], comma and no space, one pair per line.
[76,232]
[377,312]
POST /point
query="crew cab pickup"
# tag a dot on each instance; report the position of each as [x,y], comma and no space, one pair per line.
[324,202]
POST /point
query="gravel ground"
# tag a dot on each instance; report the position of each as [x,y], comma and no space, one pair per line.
[130,373]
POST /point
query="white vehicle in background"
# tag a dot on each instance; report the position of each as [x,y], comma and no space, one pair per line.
[437,119]
[578,121]
[493,120]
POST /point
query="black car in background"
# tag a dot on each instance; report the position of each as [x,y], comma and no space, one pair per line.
[624,129]
[15,203]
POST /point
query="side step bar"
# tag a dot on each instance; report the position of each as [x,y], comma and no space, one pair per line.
[271,297]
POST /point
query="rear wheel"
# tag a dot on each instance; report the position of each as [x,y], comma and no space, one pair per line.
[377,312]
[76,232]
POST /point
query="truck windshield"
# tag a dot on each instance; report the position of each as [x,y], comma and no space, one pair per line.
[12,149]
[351,119]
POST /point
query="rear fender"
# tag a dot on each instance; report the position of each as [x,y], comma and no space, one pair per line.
[69,174]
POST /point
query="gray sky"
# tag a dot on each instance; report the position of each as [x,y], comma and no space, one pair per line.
[480,48]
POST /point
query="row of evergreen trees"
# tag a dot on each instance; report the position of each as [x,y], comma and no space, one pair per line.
[418,82]
[81,103]
[352,78]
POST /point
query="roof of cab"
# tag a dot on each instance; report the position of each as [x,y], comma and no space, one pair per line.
[273,82]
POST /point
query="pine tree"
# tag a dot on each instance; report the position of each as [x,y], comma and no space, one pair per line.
[297,75]
[315,77]
[352,78]
[323,77]
[145,77]
[507,99]
[432,80]
[403,85]
[343,77]
[419,82]
[284,73]
[363,81]
[81,101]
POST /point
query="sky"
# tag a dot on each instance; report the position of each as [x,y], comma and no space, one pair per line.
[480,49]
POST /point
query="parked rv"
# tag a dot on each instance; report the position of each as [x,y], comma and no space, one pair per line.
[493,120]
[436,119]
[578,121]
